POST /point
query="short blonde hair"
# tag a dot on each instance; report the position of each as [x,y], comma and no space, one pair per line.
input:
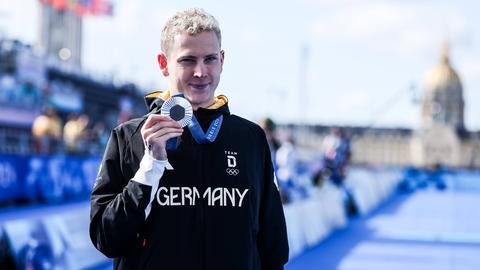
[193,21]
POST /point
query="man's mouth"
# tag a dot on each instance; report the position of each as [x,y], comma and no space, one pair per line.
[200,86]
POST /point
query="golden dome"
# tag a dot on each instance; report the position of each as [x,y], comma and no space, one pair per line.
[442,75]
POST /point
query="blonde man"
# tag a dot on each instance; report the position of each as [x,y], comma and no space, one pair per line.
[209,202]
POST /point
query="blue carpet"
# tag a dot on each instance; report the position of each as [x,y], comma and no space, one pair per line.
[424,230]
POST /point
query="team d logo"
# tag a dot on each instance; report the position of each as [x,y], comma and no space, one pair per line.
[231,163]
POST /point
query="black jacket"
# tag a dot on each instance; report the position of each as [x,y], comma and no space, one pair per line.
[218,209]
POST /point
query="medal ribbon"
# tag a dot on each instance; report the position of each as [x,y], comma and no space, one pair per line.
[197,132]
[212,132]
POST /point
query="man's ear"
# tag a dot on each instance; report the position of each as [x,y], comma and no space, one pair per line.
[222,57]
[163,64]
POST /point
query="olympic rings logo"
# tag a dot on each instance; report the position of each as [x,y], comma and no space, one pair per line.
[233,172]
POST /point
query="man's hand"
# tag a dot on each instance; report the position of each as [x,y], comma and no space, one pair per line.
[156,131]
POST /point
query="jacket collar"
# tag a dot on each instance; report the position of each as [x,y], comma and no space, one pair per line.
[155,100]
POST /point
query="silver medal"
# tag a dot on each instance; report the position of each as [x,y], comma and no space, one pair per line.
[179,109]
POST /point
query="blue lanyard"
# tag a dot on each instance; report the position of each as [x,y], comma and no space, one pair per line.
[197,132]
[212,131]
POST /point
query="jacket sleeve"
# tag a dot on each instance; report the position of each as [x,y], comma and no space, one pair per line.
[272,238]
[118,204]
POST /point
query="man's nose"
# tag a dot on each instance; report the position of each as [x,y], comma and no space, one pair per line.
[200,70]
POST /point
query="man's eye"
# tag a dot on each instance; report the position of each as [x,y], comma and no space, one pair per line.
[210,59]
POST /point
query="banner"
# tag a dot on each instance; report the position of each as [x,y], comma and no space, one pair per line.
[83,7]
[11,169]
[54,178]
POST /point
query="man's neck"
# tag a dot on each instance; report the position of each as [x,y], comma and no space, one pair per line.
[205,105]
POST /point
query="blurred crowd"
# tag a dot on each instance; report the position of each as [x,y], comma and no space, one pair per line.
[297,178]
[18,94]
[75,136]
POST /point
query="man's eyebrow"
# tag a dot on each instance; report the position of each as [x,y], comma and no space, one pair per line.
[212,55]
[187,57]
[190,57]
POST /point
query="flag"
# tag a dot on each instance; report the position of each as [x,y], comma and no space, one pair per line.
[82,7]
[101,7]
[59,4]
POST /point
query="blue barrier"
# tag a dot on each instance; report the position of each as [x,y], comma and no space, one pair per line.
[42,240]
[11,175]
[46,178]
[45,239]
[311,220]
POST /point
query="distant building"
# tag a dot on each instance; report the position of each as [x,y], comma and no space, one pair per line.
[28,85]
[441,138]
[61,27]
[61,37]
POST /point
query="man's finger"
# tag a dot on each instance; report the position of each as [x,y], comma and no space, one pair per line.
[156,125]
[159,126]
[154,118]
[160,133]
[164,138]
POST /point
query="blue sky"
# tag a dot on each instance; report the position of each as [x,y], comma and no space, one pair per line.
[326,61]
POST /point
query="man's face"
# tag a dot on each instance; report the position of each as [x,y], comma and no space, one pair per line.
[193,66]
